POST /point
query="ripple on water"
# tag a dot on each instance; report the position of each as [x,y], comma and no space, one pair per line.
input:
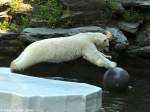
[136,99]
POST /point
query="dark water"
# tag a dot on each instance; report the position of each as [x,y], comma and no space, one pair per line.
[135,99]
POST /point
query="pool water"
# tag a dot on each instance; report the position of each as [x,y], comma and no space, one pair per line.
[135,99]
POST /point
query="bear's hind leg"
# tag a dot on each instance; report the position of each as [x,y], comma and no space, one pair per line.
[24,61]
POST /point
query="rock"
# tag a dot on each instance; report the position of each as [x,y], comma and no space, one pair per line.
[116,7]
[3,2]
[10,45]
[25,93]
[119,10]
[38,23]
[8,35]
[13,43]
[5,17]
[130,27]
[34,34]
[143,37]
[90,11]
[82,11]
[4,5]
[142,43]
[144,4]
[139,51]
[2,31]
[120,41]
[10,51]
[85,5]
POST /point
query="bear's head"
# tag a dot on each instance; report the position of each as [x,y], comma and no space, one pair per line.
[102,40]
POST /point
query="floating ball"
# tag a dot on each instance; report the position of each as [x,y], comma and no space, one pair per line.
[116,79]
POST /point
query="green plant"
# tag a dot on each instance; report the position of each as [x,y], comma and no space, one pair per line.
[4,25]
[49,11]
[24,20]
[23,23]
[112,4]
[13,27]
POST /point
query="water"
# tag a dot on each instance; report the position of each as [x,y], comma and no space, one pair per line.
[135,99]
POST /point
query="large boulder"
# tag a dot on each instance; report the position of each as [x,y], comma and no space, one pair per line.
[115,7]
[10,45]
[82,11]
[142,46]
[130,27]
[38,23]
[33,34]
[120,41]
[85,5]
[139,52]
[4,8]
[89,11]
[4,2]
[143,37]
[144,4]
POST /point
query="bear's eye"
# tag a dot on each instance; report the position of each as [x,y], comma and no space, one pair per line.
[105,40]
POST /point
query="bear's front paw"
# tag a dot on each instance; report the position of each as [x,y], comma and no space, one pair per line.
[112,64]
[109,57]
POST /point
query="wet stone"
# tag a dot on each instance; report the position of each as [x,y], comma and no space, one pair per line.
[130,27]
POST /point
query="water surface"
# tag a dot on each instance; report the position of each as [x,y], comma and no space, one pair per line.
[135,99]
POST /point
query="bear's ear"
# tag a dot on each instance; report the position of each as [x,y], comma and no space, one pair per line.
[109,35]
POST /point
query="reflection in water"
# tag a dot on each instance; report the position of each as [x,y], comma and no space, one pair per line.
[136,99]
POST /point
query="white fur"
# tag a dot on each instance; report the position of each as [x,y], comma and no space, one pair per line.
[62,49]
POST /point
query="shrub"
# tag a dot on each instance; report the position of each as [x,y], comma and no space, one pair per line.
[4,25]
[112,4]
[49,10]
[13,26]
[23,23]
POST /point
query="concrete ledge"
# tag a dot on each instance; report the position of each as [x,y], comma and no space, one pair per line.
[19,93]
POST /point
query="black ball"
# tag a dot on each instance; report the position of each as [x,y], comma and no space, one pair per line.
[116,79]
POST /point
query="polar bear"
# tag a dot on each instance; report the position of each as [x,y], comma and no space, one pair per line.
[63,49]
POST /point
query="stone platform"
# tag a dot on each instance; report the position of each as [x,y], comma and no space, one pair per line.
[20,93]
